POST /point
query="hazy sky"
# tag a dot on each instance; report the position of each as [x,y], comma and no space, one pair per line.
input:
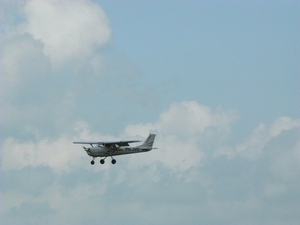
[217,81]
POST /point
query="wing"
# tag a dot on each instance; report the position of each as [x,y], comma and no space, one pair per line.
[107,144]
[85,142]
[119,143]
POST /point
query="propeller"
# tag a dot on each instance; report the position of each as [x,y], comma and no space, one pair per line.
[86,149]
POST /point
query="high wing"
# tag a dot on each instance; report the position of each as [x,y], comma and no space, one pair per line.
[107,144]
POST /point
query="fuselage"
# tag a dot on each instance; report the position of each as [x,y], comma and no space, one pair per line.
[100,151]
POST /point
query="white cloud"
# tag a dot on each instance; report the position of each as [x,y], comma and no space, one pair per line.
[60,154]
[179,147]
[181,172]
[64,34]
[252,147]
[180,130]
[177,150]
[140,129]
[22,62]
[186,127]
[25,84]
[193,170]
[283,123]
[56,154]
[68,29]
[189,118]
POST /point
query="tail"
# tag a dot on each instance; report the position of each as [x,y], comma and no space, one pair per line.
[148,143]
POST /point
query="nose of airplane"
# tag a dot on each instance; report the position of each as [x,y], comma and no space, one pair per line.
[86,149]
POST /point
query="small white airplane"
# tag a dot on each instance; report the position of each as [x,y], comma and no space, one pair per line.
[113,148]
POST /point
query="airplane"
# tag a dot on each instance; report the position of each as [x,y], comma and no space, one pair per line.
[114,148]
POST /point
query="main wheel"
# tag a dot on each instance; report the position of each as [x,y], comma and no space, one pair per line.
[102,161]
[92,162]
[113,161]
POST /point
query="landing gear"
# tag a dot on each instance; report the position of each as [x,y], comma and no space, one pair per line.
[102,161]
[113,161]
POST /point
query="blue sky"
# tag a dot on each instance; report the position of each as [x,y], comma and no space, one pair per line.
[217,81]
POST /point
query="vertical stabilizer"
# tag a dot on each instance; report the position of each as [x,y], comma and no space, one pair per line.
[148,143]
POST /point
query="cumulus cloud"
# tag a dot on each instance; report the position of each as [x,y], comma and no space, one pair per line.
[182,144]
[176,134]
[194,118]
[181,129]
[23,61]
[68,29]
[193,170]
[55,154]
[46,34]
[252,147]
[184,161]
[58,154]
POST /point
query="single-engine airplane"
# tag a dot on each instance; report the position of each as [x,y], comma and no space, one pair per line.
[113,148]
